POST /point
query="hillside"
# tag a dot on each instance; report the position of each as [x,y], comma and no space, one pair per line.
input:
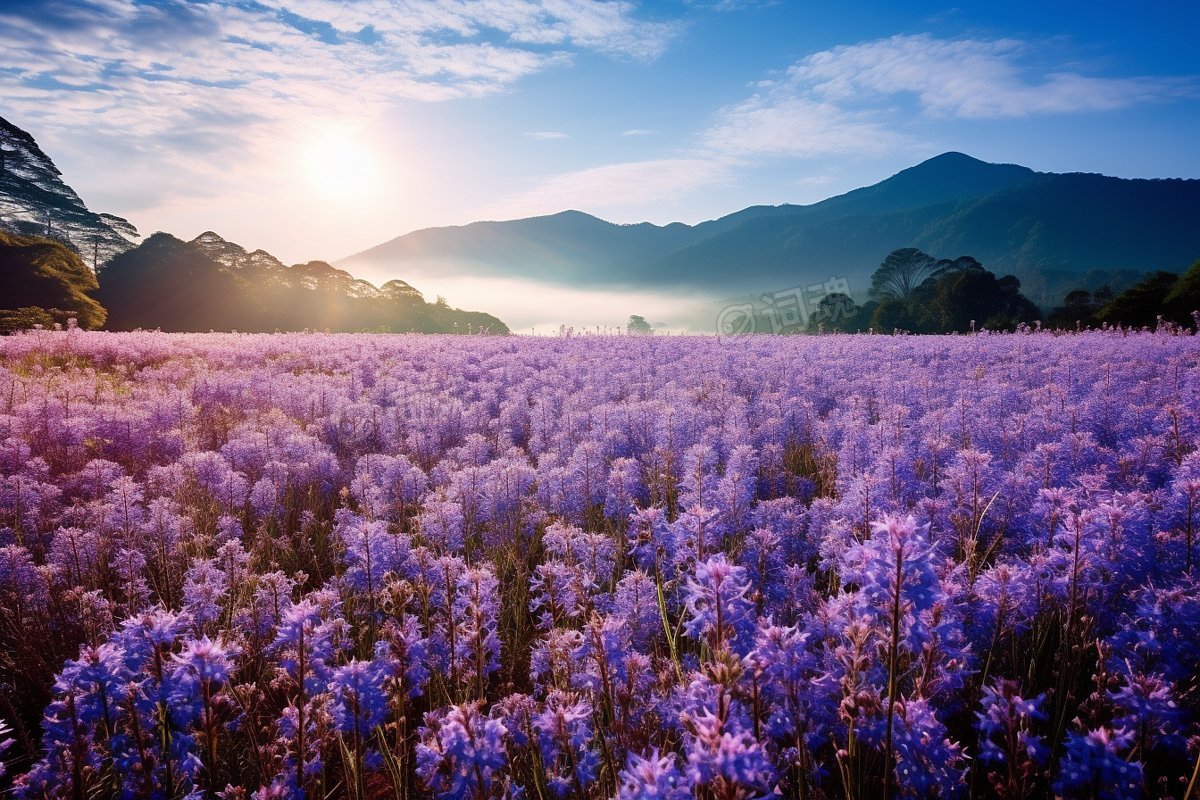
[42,281]
[35,201]
[1051,230]
[212,284]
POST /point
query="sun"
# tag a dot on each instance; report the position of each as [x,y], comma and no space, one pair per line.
[341,165]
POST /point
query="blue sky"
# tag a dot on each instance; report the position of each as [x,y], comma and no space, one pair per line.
[314,128]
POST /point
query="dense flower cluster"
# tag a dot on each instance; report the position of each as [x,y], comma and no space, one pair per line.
[599,567]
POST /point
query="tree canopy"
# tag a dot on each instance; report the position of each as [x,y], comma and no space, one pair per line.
[211,284]
[1163,294]
[638,324]
[916,292]
[901,272]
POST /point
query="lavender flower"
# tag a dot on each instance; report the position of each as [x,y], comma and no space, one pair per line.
[655,777]
[717,605]
[460,752]
[564,729]
[1093,766]
[359,704]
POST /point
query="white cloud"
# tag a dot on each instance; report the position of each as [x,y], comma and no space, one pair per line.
[843,101]
[974,78]
[781,124]
[547,134]
[637,132]
[614,186]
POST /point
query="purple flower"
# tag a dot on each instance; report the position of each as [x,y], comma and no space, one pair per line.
[460,752]
[372,550]
[477,610]
[308,639]
[716,604]
[1093,766]
[564,728]
[722,754]
[895,565]
[656,777]
[636,602]
[442,525]
[5,743]
[557,593]
[650,543]
[928,762]
[1006,729]
[205,661]
[205,591]
[359,703]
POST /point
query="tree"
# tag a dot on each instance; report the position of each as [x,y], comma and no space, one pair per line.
[638,325]
[836,311]
[1141,304]
[1184,297]
[1078,308]
[212,284]
[901,273]
[955,296]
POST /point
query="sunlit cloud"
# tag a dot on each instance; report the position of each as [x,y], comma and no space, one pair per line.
[974,78]
[191,89]
[848,100]
[614,186]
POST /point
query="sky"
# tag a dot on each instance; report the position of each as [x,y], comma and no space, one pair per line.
[316,129]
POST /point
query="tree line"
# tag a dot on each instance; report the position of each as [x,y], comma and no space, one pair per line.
[915,292]
[173,285]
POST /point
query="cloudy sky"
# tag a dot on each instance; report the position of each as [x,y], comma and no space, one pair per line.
[315,128]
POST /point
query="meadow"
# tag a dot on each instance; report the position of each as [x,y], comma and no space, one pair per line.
[378,566]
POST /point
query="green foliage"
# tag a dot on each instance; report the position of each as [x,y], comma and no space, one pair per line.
[42,281]
[1184,297]
[1160,294]
[835,312]
[638,325]
[952,296]
[901,272]
[1140,305]
[24,319]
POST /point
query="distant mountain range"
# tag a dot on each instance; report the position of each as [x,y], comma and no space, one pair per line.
[1054,231]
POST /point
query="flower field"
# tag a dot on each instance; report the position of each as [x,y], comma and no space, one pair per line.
[598,567]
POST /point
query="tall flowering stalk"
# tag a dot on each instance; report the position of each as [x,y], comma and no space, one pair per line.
[898,584]
[461,752]
[201,671]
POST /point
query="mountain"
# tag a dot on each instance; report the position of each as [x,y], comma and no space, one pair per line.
[569,246]
[34,201]
[212,284]
[1051,230]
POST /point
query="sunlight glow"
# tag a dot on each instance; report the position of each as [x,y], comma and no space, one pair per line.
[340,163]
